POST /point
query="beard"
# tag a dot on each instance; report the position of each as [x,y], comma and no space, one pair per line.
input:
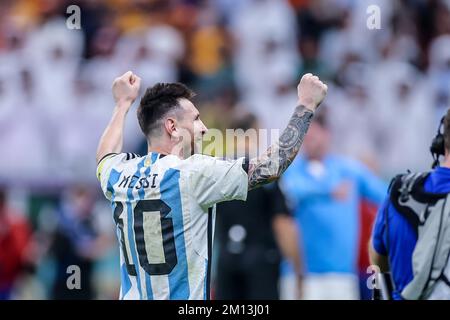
[196,146]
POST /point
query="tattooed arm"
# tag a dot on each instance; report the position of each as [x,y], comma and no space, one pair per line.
[270,166]
[280,155]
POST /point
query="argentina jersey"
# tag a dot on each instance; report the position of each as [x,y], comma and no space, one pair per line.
[164,211]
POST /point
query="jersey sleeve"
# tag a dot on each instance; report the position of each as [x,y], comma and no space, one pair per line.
[215,180]
[107,167]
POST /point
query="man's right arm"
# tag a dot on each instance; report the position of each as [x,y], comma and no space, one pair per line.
[270,166]
[125,90]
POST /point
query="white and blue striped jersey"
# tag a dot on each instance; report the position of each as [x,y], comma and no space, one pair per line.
[164,210]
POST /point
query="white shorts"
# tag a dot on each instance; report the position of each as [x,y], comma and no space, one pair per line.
[331,286]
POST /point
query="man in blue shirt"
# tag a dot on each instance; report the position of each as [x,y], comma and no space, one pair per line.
[402,235]
[325,191]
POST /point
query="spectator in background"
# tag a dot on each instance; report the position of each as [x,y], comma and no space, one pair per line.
[80,239]
[252,237]
[15,238]
[352,95]
[400,93]
[439,75]
[325,191]
[264,33]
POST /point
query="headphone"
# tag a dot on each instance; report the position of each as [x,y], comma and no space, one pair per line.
[437,147]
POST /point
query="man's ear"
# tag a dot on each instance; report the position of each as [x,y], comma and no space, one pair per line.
[170,126]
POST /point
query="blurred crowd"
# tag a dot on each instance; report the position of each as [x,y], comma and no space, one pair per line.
[388,88]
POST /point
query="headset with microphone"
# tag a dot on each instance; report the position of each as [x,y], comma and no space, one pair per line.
[437,147]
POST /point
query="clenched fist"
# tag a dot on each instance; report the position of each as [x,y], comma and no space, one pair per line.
[311,91]
[126,88]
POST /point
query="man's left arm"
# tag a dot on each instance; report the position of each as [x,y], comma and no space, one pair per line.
[270,166]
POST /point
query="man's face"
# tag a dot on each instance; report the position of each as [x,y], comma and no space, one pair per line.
[190,127]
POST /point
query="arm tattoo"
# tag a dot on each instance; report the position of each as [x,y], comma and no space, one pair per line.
[280,155]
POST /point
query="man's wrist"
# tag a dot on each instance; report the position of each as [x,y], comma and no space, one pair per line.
[123,105]
[309,106]
[306,107]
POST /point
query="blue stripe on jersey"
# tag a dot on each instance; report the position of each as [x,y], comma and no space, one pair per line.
[154,157]
[114,177]
[148,281]
[130,220]
[170,194]
[112,180]
[125,280]
[148,285]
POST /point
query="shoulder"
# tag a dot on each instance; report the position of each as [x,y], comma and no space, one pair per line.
[205,165]
[197,158]
[116,161]
[124,156]
[194,162]
[199,161]
[409,183]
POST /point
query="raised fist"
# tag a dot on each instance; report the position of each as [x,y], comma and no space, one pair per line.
[311,91]
[126,87]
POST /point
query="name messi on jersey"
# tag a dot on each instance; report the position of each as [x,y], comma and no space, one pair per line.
[130,182]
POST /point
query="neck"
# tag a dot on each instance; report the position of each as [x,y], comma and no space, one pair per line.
[166,150]
[446,162]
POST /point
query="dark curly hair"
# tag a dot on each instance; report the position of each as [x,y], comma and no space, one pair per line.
[157,101]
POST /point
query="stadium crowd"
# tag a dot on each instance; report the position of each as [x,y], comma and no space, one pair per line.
[388,88]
